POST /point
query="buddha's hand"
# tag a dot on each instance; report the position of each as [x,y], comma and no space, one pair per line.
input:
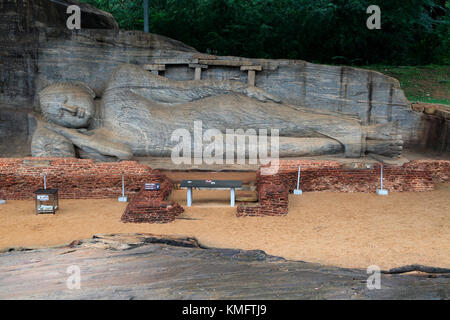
[261,95]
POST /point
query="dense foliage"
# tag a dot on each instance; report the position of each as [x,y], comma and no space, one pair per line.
[412,31]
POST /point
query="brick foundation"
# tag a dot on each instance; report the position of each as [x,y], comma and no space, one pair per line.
[86,179]
[415,176]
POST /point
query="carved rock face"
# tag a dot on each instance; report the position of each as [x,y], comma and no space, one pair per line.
[68,105]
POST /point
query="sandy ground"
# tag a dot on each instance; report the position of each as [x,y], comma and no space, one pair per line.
[347,230]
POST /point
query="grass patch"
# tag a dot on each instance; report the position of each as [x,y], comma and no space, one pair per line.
[429,84]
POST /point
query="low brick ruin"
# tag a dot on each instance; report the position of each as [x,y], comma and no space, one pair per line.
[415,176]
[151,206]
[74,178]
[86,179]
[273,201]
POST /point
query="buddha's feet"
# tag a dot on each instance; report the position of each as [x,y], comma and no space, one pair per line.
[389,148]
[382,139]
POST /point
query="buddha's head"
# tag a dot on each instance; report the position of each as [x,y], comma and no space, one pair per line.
[70,105]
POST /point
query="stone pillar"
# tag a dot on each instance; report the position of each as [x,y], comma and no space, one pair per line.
[251,73]
[198,70]
[198,73]
[251,77]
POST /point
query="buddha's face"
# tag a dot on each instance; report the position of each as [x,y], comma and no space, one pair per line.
[67,105]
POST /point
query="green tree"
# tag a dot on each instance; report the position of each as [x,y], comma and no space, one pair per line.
[412,32]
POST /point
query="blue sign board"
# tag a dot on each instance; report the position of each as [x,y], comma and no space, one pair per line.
[152,186]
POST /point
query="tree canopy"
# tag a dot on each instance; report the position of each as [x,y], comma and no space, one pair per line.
[324,31]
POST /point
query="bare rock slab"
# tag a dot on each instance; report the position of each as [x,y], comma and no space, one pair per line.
[139,266]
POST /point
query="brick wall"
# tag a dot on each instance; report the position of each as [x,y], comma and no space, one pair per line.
[76,178]
[81,179]
[273,201]
[415,176]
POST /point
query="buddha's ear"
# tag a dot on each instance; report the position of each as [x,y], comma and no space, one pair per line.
[84,86]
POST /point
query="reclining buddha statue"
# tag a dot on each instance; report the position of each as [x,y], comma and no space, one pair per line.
[139,111]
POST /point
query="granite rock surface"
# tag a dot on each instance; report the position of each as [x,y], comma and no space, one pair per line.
[144,266]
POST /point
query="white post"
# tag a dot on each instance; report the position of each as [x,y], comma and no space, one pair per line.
[381,178]
[382,192]
[189,196]
[232,197]
[298,191]
[123,186]
[123,198]
[45,180]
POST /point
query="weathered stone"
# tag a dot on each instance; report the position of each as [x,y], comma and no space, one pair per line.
[430,110]
[445,114]
[180,267]
[417,107]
